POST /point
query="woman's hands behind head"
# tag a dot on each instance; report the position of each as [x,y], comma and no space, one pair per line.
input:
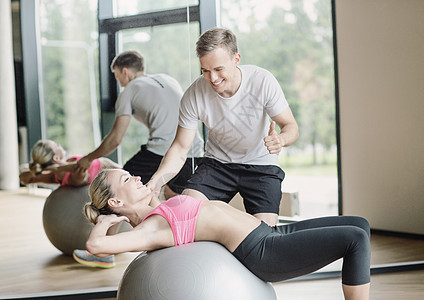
[111,219]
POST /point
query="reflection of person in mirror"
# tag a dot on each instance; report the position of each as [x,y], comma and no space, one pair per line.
[153,100]
[235,102]
[272,253]
[50,165]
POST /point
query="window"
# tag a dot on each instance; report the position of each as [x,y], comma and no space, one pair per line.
[69,73]
[134,7]
[166,49]
[164,33]
[293,39]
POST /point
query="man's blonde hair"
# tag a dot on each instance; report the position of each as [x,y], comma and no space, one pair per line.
[215,38]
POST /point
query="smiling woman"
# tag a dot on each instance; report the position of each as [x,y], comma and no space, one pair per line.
[117,196]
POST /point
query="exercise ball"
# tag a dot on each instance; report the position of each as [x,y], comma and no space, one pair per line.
[195,271]
[64,221]
[63,218]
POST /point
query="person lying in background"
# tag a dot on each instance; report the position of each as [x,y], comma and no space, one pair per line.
[50,165]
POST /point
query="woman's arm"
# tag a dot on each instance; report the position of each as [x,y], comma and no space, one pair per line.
[141,238]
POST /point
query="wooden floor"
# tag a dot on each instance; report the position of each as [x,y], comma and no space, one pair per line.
[30,265]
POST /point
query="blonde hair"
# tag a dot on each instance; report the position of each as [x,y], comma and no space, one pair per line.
[215,38]
[100,191]
[42,156]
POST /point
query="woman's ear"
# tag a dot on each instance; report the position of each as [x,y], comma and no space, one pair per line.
[55,158]
[114,202]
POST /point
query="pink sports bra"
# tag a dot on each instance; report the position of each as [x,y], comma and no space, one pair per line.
[181,213]
[94,169]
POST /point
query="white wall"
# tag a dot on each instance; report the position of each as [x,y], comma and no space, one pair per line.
[9,162]
[381,80]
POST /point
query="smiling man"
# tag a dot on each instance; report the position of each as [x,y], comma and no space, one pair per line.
[235,102]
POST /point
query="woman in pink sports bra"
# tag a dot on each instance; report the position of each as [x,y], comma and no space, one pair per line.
[272,253]
[49,165]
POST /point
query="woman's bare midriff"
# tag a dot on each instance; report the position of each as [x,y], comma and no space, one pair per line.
[220,222]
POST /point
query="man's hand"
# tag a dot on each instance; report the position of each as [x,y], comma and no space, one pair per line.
[273,142]
[83,164]
[155,185]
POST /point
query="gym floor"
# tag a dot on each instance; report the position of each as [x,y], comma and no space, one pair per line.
[31,266]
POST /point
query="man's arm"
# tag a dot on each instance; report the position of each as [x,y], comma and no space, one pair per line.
[109,143]
[27,178]
[289,132]
[174,158]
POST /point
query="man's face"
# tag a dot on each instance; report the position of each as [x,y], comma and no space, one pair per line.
[220,68]
[121,76]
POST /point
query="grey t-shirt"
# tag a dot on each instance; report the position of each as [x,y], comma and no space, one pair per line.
[237,125]
[154,100]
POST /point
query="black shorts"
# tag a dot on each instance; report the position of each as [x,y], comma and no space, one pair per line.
[258,185]
[145,163]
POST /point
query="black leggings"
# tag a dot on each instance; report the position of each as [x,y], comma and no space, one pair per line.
[283,252]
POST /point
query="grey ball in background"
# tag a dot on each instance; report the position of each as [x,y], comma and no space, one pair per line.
[195,271]
[64,221]
[63,218]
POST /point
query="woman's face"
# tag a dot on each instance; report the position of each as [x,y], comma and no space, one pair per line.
[128,188]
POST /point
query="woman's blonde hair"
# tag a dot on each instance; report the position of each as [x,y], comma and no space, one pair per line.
[100,191]
[42,156]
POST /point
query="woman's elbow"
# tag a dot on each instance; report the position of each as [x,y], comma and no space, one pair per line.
[93,246]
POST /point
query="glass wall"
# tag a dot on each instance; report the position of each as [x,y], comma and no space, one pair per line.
[294,40]
[69,72]
[134,7]
[167,49]
[291,38]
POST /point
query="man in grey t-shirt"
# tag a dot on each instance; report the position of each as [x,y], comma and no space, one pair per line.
[153,100]
[235,103]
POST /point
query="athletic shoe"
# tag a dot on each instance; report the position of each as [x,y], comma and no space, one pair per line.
[86,258]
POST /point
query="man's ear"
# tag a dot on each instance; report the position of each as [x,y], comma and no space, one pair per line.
[237,58]
[114,202]
[127,72]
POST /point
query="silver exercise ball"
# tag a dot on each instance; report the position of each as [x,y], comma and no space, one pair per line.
[64,221]
[63,218]
[196,271]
